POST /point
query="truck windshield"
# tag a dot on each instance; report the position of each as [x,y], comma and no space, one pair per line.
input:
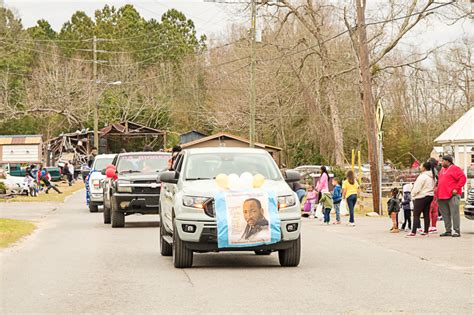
[146,163]
[208,166]
[101,163]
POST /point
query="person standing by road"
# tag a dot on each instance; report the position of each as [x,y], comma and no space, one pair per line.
[393,206]
[68,173]
[350,190]
[451,179]
[337,198]
[91,157]
[310,202]
[299,190]
[407,207]
[326,202]
[434,203]
[422,194]
[323,183]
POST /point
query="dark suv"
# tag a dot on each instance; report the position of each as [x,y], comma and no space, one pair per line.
[135,188]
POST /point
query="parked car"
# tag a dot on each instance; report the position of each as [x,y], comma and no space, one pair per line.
[95,181]
[14,185]
[193,179]
[55,173]
[16,170]
[469,205]
[135,188]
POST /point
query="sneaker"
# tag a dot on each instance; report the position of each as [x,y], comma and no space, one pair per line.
[456,235]
[407,230]
[419,230]
[424,234]
[410,235]
[351,224]
[311,216]
[445,234]
[432,230]
[395,231]
[338,222]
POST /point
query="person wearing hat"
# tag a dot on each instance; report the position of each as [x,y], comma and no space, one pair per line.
[451,179]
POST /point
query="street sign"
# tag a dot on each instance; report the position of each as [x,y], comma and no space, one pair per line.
[379,116]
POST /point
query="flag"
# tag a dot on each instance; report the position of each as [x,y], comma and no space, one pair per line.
[415,164]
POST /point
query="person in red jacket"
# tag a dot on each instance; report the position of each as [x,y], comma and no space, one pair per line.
[451,179]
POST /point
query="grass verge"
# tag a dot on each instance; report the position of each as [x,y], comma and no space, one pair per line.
[13,230]
[52,196]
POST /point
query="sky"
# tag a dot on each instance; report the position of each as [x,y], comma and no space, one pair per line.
[212,19]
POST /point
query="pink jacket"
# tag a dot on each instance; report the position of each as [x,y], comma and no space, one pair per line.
[323,185]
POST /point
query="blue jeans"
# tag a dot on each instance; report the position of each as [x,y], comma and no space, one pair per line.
[327,217]
[338,212]
[351,201]
[300,193]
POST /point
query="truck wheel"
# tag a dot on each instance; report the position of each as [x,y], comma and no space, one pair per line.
[182,257]
[93,207]
[263,252]
[106,214]
[118,218]
[290,257]
[166,249]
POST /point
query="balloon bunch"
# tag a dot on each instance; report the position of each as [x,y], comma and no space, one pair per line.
[243,182]
[110,171]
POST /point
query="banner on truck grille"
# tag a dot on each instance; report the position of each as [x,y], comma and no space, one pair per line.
[247,218]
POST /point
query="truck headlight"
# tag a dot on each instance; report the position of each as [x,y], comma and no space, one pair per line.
[195,202]
[286,201]
[122,186]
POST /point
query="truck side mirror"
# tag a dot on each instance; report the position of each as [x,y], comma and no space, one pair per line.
[291,176]
[170,177]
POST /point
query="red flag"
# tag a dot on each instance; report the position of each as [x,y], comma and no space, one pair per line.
[415,164]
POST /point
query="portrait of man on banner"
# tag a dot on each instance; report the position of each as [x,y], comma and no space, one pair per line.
[257,228]
[247,218]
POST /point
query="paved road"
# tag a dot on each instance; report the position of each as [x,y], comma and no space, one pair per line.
[75,264]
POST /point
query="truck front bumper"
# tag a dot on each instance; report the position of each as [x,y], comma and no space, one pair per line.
[137,203]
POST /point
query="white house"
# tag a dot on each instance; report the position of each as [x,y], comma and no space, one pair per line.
[19,149]
[458,140]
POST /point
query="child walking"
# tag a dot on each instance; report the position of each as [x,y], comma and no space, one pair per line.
[30,183]
[326,202]
[337,198]
[407,207]
[393,209]
[310,202]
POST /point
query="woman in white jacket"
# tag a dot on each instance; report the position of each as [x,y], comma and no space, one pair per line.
[422,195]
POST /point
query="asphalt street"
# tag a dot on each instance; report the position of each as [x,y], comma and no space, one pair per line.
[75,264]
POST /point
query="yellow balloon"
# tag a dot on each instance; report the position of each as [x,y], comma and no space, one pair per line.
[222,181]
[258,181]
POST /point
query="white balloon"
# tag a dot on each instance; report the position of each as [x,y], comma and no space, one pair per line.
[246,180]
[234,182]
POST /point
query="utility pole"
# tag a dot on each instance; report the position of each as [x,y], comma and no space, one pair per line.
[253,63]
[369,105]
[96,105]
[253,92]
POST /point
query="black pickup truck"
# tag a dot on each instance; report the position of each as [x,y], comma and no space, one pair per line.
[135,188]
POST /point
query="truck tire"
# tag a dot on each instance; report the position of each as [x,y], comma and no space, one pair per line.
[182,257]
[166,249]
[118,218]
[106,215]
[290,257]
[93,207]
[263,252]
